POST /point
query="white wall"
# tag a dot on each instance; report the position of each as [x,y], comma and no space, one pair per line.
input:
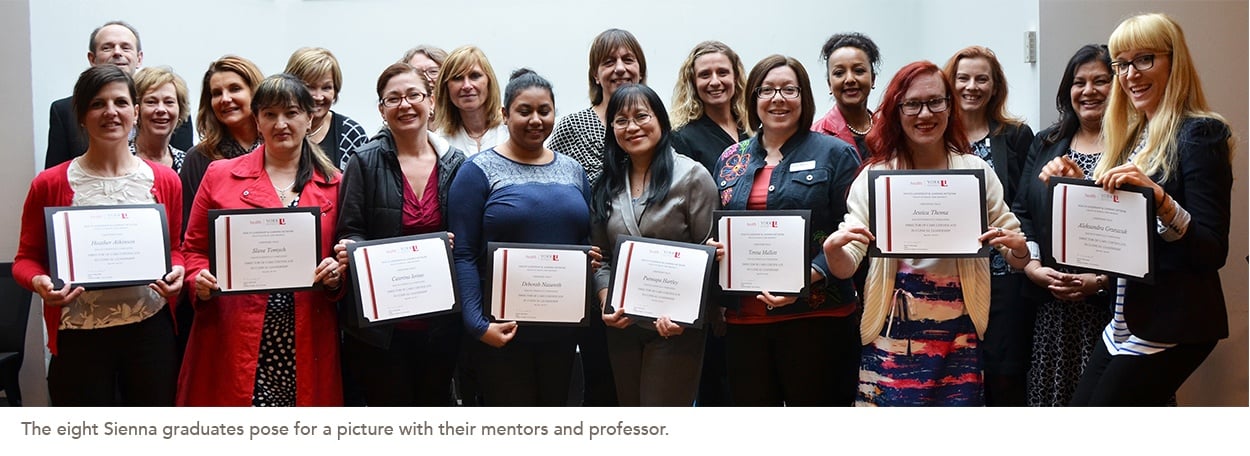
[1216,31]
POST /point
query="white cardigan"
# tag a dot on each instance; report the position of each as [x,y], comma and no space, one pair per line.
[974,273]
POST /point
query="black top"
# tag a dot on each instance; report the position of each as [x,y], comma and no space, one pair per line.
[704,141]
[66,140]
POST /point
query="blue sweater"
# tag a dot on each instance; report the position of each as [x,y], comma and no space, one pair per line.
[494,199]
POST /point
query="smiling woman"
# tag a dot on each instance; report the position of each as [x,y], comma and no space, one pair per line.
[467,99]
[337,135]
[163,107]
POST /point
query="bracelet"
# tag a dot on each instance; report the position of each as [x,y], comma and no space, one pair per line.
[1013,254]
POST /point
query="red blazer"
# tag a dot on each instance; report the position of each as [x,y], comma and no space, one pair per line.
[219,367]
[51,189]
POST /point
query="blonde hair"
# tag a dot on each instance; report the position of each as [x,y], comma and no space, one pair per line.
[310,63]
[1182,97]
[459,63]
[151,78]
[687,106]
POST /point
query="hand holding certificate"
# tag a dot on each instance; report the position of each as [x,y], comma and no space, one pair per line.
[764,251]
[536,283]
[403,278]
[927,214]
[264,250]
[654,278]
[107,246]
[1102,231]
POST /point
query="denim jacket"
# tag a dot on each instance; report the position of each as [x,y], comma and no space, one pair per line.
[814,173]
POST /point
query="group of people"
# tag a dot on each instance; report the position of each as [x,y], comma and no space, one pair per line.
[487,161]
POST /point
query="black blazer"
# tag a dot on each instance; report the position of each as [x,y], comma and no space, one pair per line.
[66,140]
[1186,303]
[1009,150]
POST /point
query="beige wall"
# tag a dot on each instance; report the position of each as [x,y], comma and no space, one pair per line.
[1217,34]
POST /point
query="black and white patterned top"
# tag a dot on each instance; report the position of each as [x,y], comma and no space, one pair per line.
[344,138]
[275,365]
[177,154]
[580,135]
[1087,162]
[998,264]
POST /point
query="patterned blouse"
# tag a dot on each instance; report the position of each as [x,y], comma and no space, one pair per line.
[580,135]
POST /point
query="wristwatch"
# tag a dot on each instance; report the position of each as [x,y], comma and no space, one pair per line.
[1101,280]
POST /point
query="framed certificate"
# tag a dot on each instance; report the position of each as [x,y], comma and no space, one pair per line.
[1099,231]
[264,250]
[927,213]
[764,251]
[652,278]
[403,278]
[539,283]
[98,247]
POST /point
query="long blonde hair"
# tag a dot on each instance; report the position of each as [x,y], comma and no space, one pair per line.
[1182,98]
[687,106]
[458,63]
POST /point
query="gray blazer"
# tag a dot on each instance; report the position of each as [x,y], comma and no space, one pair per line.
[684,216]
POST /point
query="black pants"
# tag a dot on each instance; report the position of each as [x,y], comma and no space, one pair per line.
[1007,350]
[1147,380]
[654,371]
[803,362]
[414,371]
[525,373]
[599,388]
[128,365]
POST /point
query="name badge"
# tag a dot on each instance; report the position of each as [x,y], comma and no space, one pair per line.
[803,166]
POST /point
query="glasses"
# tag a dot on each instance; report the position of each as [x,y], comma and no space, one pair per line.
[430,73]
[621,123]
[1141,63]
[913,108]
[766,93]
[413,98]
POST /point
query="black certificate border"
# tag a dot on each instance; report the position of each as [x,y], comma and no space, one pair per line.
[213,214]
[487,298]
[703,292]
[49,214]
[1148,223]
[873,175]
[357,278]
[807,235]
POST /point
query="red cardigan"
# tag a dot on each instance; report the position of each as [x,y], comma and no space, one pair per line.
[219,367]
[51,189]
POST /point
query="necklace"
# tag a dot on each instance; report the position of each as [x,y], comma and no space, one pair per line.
[477,137]
[282,190]
[860,133]
[318,129]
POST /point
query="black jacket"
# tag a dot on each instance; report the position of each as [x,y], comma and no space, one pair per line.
[371,201]
[1009,151]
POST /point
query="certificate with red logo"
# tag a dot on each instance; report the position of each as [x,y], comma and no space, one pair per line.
[1097,231]
[653,278]
[927,214]
[264,250]
[107,246]
[402,278]
[764,251]
[539,283]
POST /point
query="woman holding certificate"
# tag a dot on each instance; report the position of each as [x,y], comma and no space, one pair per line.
[647,190]
[519,191]
[397,186]
[1073,307]
[276,348]
[923,318]
[783,349]
[112,346]
[1160,134]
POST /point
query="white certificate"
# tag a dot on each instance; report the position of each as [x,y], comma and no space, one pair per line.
[107,246]
[402,277]
[538,284]
[1096,230]
[764,251]
[653,278]
[927,213]
[265,250]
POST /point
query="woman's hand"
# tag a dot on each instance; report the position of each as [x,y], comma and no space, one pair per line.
[667,328]
[205,283]
[841,263]
[720,248]
[1014,241]
[596,258]
[170,285]
[51,295]
[1061,167]
[499,334]
[451,240]
[616,319]
[773,302]
[329,273]
[1076,287]
[1130,174]
[340,251]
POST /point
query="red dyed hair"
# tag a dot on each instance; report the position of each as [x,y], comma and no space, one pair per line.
[887,140]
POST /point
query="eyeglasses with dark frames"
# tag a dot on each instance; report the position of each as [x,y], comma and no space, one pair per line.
[1141,63]
[765,93]
[642,118]
[413,98]
[935,105]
